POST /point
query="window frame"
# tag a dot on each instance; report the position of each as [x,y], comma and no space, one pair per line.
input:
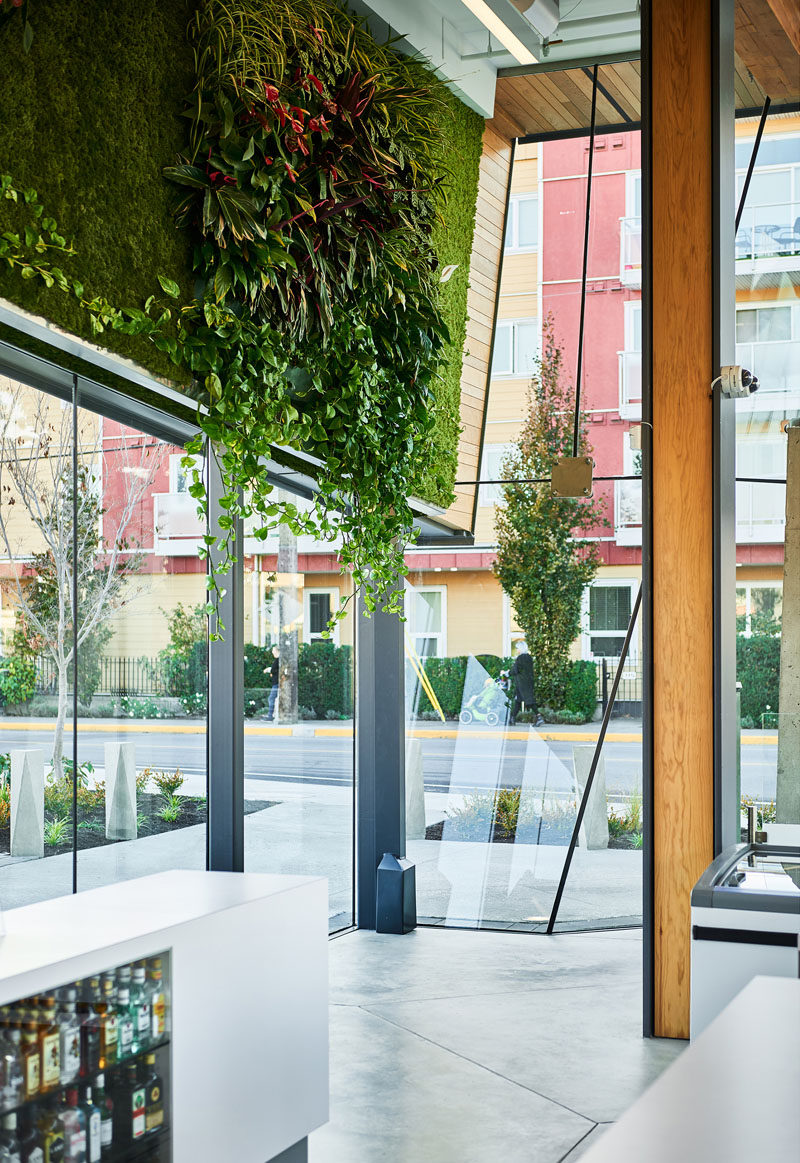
[440,635]
[514,324]
[587,634]
[511,243]
[333,594]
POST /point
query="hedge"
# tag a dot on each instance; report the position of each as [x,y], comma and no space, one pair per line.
[758,665]
[324,678]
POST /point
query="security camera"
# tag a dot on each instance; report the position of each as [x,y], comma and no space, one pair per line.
[736,382]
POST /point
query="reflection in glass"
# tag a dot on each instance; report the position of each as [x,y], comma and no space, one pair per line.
[299,715]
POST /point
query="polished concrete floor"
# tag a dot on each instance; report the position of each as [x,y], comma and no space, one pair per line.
[474,1047]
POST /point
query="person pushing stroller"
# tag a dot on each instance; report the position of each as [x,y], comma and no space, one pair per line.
[524,686]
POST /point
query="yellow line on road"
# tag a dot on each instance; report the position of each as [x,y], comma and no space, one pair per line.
[347,732]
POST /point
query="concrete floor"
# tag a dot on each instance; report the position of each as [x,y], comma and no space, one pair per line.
[477,1047]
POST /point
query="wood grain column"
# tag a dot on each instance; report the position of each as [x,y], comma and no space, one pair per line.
[682,570]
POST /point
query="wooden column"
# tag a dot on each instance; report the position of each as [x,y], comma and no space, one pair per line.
[683,695]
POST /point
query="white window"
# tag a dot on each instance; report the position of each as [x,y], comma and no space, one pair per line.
[607,607]
[180,478]
[768,343]
[760,507]
[426,619]
[494,456]
[630,363]
[759,606]
[628,497]
[516,348]
[633,194]
[522,225]
[318,606]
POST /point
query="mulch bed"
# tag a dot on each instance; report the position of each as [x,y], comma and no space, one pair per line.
[92,824]
[547,834]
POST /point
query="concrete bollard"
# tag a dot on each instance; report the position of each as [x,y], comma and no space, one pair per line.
[27,803]
[120,791]
[594,829]
[415,792]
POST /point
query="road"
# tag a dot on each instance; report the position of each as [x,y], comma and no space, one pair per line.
[461,764]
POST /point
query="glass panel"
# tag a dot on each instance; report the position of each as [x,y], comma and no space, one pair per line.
[527,348]
[36,562]
[496,798]
[299,707]
[768,515]
[528,222]
[142,658]
[502,361]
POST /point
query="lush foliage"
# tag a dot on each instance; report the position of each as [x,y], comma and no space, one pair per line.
[17,679]
[324,679]
[581,689]
[540,563]
[184,661]
[758,665]
[311,187]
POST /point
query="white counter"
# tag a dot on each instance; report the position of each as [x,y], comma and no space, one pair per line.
[249,963]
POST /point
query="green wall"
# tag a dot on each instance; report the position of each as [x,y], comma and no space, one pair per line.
[89,117]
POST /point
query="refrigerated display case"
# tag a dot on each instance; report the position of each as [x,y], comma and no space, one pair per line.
[745,921]
[180,1017]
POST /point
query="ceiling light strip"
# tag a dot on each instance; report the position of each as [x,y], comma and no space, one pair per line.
[508,40]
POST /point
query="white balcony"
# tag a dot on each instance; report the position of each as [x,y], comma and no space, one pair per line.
[628,512]
[768,238]
[630,385]
[760,514]
[178,528]
[630,252]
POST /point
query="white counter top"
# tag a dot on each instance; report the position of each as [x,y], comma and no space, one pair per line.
[733,1096]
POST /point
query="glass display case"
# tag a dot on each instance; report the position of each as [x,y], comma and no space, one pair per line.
[85,1069]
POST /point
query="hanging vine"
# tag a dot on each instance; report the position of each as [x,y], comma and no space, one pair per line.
[310,184]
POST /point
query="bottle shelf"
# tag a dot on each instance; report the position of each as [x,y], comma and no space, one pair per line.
[61,1090]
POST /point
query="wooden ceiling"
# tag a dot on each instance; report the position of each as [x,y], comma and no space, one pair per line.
[767,52]
[554,102]
[767,62]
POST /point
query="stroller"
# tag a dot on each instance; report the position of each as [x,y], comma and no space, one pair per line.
[490,704]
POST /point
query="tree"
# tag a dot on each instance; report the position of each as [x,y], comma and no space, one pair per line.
[541,564]
[52,504]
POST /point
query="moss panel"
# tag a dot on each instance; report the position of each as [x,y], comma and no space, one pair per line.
[452,241]
[88,118]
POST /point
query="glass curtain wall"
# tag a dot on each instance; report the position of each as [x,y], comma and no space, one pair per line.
[299,715]
[767,272]
[511,651]
[90,505]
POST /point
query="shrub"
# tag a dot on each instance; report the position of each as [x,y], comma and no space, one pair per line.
[325,678]
[17,679]
[758,662]
[167,782]
[56,830]
[5,804]
[171,809]
[257,665]
[256,700]
[581,693]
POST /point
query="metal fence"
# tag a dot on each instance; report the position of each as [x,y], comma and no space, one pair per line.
[629,693]
[135,677]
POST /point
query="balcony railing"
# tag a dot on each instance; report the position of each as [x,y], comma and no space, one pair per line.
[178,529]
[777,365]
[628,512]
[630,385]
[760,514]
[630,252]
[770,232]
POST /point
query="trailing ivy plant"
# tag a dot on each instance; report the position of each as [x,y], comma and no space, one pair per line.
[310,184]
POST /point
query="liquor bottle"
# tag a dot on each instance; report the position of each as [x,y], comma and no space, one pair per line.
[140,997]
[13,1074]
[31,1060]
[153,1097]
[51,1134]
[159,1000]
[29,1139]
[90,1026]
[129,1108]
[9,1140]
[70,1030]
[109,1033]
[49,1046]
[73,1122]
[127,1043]
[106,1108]
[94,1145]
